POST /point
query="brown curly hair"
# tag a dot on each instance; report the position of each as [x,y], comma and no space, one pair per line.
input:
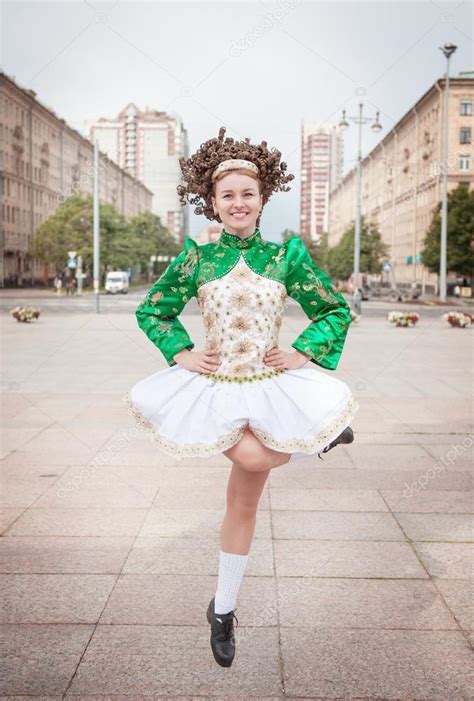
[197,171]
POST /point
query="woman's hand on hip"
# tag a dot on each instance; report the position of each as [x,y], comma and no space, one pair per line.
[199,361]
[280,359]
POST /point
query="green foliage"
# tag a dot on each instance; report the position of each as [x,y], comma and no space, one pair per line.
[288,234]
[373,251]
[460,238]
[123,243]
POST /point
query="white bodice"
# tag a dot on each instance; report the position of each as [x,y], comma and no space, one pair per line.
[242,314]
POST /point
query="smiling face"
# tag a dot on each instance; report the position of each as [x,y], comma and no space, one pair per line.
[237,201]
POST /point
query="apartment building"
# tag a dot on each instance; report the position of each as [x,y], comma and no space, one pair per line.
[321,171]
[148,144]
[402,178]
[42,162]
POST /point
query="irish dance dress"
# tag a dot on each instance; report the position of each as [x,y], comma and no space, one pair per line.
[242,286]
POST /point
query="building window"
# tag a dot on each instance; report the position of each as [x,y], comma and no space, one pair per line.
[465,108]
[464,162]
[465,135]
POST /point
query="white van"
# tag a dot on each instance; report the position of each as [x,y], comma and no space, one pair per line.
[116,281]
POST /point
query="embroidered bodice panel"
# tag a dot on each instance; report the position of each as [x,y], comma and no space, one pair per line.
[241,285]
[242,314]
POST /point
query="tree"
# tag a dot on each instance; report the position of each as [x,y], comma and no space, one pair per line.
[373,250]
[460,245]
[122,243]
[151,238]
[288,234]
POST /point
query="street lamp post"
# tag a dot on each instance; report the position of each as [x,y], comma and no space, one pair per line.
[376,127]
[448,50]
[96,266]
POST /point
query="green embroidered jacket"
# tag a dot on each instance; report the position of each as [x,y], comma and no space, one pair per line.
[288,264]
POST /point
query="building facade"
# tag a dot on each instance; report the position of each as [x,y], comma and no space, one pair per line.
[42,162]
[148,145]
[321,171]
[402,178]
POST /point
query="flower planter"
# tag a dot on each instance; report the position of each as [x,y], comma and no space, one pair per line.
[403,319]
[458,319]
[25,314]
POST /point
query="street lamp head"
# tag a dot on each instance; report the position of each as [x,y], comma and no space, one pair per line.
[448,49]
[343,124]
[376,126]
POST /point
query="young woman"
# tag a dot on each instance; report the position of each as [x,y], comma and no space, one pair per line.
[241,395]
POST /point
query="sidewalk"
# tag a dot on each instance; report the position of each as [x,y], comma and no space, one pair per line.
[358,579]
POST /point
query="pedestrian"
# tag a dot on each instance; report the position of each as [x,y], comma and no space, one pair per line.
[58,283]
[241,395]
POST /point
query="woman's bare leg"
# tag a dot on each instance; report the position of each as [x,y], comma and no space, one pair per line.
[243,495]
[251,464]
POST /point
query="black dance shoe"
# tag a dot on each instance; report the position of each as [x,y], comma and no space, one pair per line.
[347,436]
[222,635]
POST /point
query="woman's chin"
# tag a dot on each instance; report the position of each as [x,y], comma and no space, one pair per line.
[240,225]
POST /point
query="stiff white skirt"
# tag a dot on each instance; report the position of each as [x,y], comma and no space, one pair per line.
[189,415]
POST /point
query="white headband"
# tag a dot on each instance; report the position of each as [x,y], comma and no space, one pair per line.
[233,164]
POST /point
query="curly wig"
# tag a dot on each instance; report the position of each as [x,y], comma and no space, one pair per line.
[198,187]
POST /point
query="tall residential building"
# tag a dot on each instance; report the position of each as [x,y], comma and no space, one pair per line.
[402,178]
[42,162]
[147,145]
[321,171]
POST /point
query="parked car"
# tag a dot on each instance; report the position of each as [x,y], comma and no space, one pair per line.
[116,281]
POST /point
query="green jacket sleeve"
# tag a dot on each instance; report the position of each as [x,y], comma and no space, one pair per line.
[157,314]
[324,338]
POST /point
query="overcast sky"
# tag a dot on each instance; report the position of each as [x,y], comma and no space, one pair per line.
[258,68]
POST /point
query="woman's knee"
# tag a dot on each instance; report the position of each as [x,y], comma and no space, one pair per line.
[251,455]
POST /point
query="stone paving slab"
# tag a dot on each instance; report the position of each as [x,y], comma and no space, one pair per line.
[56,555]
[390,457]
[382,664]
[304,558]
[307,477]
[142,659]
[40,659]
[429,501]
[447,560]
[195,523]
[310,602]
[8,516]
[335,525]
[191,556]
[326,500]
[91,486]
[436,527]
[103,521]
[22,491]
[181,600]
[459,597]
[54,598]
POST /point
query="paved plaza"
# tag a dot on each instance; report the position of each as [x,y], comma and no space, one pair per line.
[359,583]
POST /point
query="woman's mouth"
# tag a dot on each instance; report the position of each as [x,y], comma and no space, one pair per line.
[239,215]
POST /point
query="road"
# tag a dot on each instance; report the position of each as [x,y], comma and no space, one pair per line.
[126,304]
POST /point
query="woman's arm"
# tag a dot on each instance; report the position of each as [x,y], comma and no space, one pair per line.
[324,338]
[157,314]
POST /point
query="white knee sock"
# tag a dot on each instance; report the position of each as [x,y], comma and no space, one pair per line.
[231,571]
